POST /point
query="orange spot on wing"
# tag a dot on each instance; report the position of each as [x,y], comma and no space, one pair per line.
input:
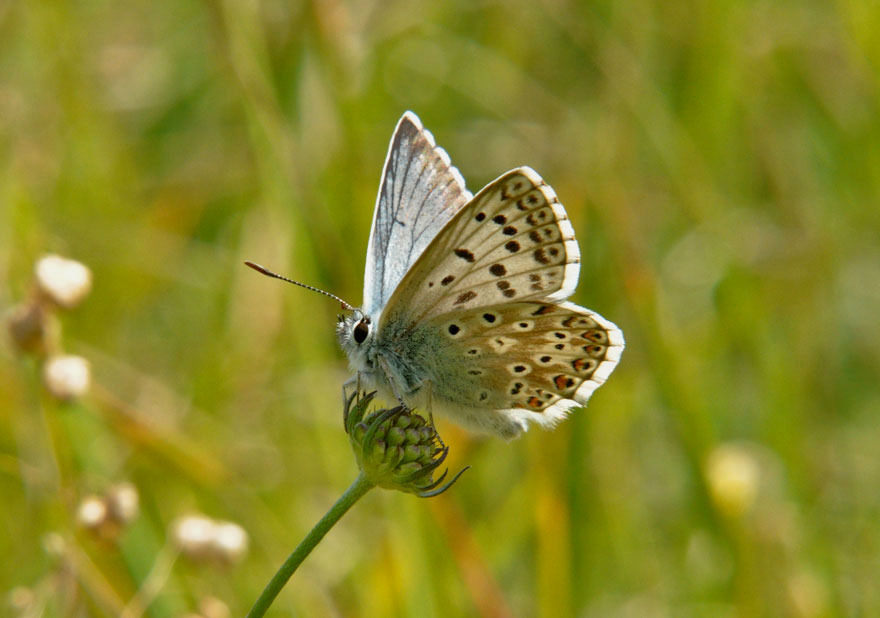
[542,310]
[563,382]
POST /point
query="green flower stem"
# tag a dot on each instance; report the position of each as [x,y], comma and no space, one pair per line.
[345,502]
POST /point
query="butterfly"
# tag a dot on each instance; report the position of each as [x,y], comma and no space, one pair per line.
[464,308]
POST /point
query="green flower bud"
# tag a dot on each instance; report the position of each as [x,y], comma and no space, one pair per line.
[427,454]
[393,456]
[411,452]
[409,468]
[396,436]
[359,431]
[396,448]
[377,451]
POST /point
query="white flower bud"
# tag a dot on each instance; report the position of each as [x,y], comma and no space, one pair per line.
[92,512]
[230,541]
[65,282]
[202,538]
[123,502]
[732,474]
[194,535]
[67,376]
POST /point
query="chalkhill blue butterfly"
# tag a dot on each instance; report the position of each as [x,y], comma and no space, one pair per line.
[464,310]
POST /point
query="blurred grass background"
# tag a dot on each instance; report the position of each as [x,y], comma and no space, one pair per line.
[720,163]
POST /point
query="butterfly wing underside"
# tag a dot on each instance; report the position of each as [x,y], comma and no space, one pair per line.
[531,360]
[420,192]
[493,283]
[512,242]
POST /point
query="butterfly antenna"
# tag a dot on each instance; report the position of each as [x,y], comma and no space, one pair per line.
[265,271]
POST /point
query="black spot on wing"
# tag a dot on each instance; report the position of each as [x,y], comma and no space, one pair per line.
[464,254]
[540,256]
[465,297]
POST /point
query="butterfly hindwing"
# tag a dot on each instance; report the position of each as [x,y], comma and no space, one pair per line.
[420,192]
[536,359]
[512,242]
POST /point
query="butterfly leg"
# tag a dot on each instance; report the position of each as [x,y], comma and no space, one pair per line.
[390,380]
[353,381]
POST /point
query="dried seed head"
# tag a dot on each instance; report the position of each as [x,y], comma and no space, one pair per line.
[32,328]
[64,282]
[67,376]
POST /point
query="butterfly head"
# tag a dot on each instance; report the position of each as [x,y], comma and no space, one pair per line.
[354,332]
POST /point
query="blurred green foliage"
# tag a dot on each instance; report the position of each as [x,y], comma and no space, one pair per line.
[721,165]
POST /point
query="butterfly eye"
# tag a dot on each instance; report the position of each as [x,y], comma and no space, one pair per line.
[361,330]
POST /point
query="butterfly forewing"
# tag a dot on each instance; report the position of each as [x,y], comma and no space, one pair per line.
[511,242]
[537,357]
[419,194]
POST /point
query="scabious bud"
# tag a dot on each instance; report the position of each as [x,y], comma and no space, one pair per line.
[201,538]
[92,512]
[108,515]
[230,541]
[193,535]
[123,503]
[396,448]
[65,282]
[67,376]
